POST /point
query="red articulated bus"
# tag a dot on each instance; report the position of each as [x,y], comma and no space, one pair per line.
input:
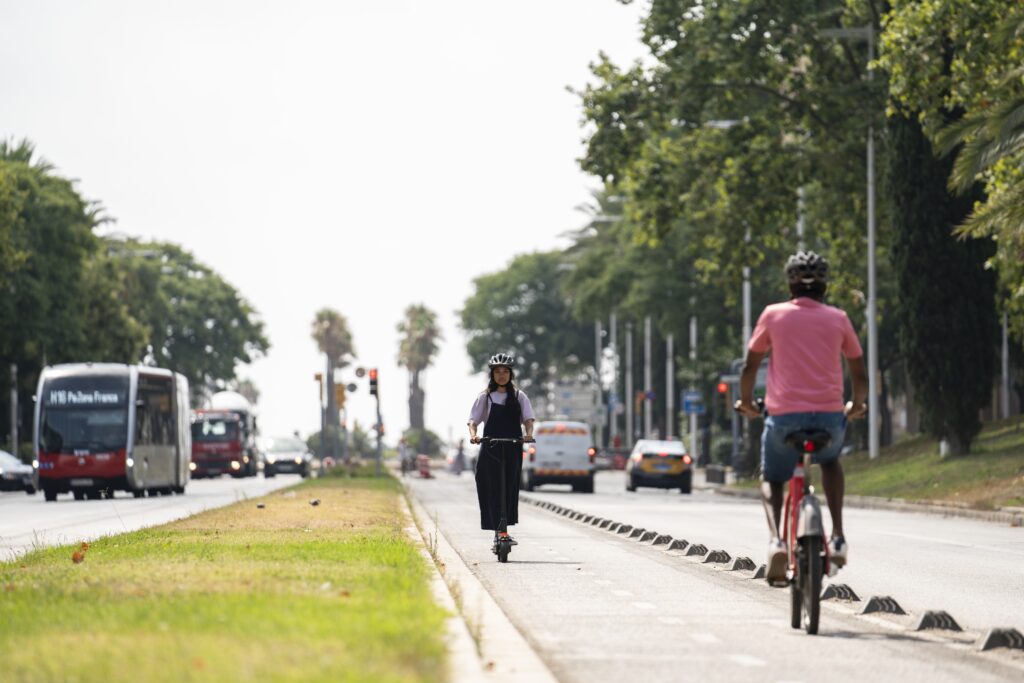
[105,427]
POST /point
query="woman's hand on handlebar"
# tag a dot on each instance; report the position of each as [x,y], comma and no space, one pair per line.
[475,439]
[529,439]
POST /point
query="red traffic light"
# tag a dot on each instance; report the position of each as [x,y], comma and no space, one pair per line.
[373,373]
[723,388]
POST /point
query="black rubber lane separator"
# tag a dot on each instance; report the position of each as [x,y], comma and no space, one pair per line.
[624,529]
[759,573]
[839,591]
[1001,637]
[696,549]
[744,564]
[605,523]
[648,536]
[587,519]
[678,544]
[636,533]
[663,539]
[717,557]
[937,619]
[596,521]
[614,526]
[882,603]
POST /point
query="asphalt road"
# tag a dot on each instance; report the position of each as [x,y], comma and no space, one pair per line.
[29,521]
[597,607]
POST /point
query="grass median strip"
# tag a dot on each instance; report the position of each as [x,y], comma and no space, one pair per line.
[288,592]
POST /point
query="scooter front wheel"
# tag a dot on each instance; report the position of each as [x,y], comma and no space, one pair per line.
[503,550]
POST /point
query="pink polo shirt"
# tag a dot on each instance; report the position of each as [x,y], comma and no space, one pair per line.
[805,338]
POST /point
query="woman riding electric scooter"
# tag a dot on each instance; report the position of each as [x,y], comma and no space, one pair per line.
[503,410]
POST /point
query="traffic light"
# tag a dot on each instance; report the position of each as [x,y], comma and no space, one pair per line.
[373,381]
[339,395]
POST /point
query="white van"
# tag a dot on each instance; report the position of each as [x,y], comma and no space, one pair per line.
[563,454]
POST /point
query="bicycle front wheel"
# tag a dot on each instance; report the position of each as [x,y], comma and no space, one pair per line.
[813,565]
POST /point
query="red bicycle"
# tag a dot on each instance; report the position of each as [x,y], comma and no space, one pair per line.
[803,532]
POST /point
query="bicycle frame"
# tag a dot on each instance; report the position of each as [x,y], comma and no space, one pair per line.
[801,515]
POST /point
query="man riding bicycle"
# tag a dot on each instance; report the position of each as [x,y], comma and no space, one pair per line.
[504,410]
[805,391]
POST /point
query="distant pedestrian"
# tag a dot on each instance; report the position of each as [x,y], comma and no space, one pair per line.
[459,461]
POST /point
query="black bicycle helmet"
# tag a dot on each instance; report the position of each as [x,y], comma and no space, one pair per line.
[501,359]
[805,268]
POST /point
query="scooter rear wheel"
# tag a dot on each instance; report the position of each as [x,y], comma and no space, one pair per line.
[503,551]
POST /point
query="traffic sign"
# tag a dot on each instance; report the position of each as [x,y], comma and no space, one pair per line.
[693,403]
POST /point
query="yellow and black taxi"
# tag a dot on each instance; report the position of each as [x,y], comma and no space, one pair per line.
[659,464]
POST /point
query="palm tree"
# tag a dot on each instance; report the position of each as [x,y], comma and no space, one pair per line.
[333,338]
[416,350]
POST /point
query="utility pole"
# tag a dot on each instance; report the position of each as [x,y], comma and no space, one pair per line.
[14,409]
[670,387]
[598,412]
[648,403]
[613,418]
[1004,385]
[375,392]
[629,385]
[693,361]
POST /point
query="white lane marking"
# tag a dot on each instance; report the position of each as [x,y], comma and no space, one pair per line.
[706,638]
[643,605]
[562,559]
[671,621]
[747,660]
[603,582]
[622,594]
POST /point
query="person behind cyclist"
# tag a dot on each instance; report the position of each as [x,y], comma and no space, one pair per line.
[504,410]
[805,391]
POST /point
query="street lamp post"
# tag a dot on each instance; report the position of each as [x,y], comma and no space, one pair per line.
[867,33]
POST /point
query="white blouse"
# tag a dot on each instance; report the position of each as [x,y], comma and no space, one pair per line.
[481,406]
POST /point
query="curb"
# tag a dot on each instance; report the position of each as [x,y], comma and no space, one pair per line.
[901,505]
[464,665]
[504,654]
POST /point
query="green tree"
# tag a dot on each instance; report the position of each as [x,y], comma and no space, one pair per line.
[416,350]
[522,310]
[331,333]
[423,441]
[947,315]
[959,61]
[198,324]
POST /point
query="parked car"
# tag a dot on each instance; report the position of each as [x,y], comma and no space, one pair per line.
[16,475]
[562,454]
[286,454]
[659,464]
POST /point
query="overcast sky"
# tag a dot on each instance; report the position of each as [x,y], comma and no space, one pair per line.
[362,155]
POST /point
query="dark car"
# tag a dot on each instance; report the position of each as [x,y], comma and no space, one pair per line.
[15,475]
[286,454]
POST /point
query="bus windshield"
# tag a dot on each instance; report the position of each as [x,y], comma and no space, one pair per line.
[84,413]
[215,430]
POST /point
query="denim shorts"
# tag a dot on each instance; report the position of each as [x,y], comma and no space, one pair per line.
[779,459]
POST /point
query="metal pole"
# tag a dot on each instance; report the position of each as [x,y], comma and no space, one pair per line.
[693,360]
[872,294]
[800,219]
[629,385]
[648,404]
[598,412]
[14,409]
[613,418]
[380,441]
[670,390]
[1004,393]
[746,303]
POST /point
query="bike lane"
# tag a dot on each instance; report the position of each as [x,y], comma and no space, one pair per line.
[597,607]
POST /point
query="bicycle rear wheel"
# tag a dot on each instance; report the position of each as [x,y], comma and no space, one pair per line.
[812,569]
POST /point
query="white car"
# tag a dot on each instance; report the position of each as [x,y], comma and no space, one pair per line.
[563,454]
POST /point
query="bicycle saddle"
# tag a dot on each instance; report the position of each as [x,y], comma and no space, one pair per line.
[809,440]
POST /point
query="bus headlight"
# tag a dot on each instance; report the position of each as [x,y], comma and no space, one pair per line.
[129,462]
[235,465]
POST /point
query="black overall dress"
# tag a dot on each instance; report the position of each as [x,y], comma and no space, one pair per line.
[501,424]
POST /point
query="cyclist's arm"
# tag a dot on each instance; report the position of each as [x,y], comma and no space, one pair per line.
[859,377]
[747,380]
